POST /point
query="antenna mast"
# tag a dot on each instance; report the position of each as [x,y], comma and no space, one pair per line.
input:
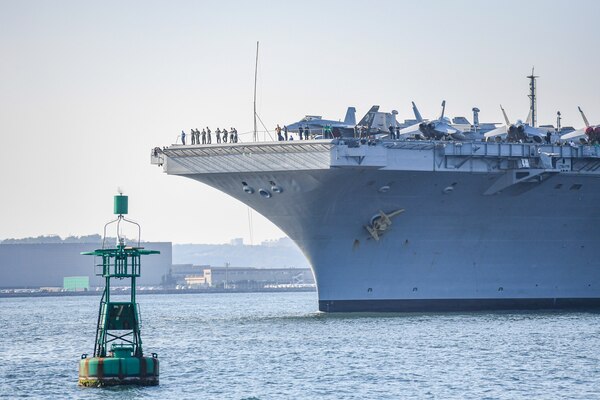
[255,77]
[532,97]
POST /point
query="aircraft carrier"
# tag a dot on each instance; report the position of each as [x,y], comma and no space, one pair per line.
[429,215]
[415,225]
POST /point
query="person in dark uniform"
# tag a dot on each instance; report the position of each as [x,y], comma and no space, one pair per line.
[208,136]
[182,137]
[306,132]
[218,135]
[300,132]
[392,132]
[548,137]
[397,132]
[225,133]
[203,136]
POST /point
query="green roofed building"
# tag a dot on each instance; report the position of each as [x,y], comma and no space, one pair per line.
[76,283]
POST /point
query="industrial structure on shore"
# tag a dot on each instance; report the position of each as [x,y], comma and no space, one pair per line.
[33,267]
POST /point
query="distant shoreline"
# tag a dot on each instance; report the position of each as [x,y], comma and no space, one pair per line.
[157,291]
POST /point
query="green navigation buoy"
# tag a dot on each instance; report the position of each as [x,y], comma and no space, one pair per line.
[123,363]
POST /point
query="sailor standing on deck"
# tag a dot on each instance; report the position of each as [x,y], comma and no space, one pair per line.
[397,132]
[203,136]
[193,135]
[182,137]
[208,136]
[300,132]
[218,134]
[306,132]
[392,133]
[278,131]
[285,132]
[225,133]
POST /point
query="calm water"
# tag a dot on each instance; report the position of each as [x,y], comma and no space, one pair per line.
[276,346]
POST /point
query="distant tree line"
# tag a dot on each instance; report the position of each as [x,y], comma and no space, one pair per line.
[95,238]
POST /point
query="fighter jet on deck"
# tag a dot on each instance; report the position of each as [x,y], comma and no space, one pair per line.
[376,123]
[437,129]
[316,123]
[589,133]
[519,131]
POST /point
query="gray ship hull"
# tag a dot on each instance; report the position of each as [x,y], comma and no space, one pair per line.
[467,237]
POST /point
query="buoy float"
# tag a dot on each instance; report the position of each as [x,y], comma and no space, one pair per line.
[118,356]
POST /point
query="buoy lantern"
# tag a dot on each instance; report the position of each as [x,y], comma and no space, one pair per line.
[118,356]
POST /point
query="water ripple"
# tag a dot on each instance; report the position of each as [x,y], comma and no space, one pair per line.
[276,346]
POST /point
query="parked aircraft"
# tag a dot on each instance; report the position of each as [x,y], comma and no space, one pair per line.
[436,129]
[519,131]
[441,128]
[317,123]
[589,133]
[377,123]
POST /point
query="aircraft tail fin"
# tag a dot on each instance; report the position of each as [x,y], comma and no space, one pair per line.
[367,120]
[443,109]
[417,113]
[585,120]
[505,117]
[350,118]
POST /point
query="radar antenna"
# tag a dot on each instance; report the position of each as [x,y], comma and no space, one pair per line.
[532,97]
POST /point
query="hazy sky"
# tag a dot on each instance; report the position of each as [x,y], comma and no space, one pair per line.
[88,88]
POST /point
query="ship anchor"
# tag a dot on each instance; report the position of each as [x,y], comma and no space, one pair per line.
[381,222]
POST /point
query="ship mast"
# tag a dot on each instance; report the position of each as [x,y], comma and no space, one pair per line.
[255,78]
[250,225]
[532,97]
